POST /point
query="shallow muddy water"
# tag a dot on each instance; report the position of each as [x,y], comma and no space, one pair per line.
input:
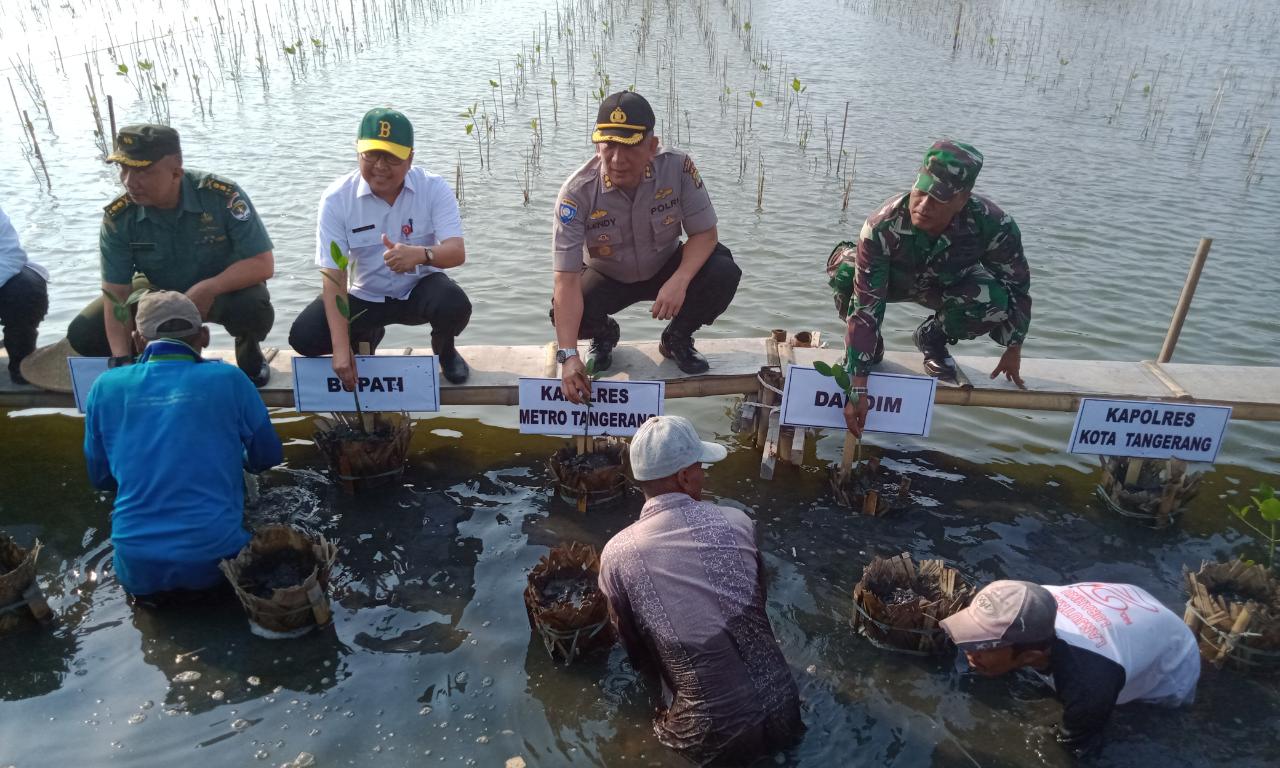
[1116,134]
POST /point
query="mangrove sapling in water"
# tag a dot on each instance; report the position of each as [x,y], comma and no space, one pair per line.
[1267,505]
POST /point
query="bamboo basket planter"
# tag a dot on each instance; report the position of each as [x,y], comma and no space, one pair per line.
[364,451]
[1146,489]
[870,489]
[587,482]
[565,605]
[1234,612]
[19,593]
[897,605]
[288,611]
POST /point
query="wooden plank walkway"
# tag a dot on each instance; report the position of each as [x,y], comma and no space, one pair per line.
[1052,385]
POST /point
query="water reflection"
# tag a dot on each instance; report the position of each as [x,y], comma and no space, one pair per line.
[208,666]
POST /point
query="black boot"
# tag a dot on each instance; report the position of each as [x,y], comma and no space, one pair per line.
[931,340]
[602,346]
[677,344]
[250,360]
[454,368]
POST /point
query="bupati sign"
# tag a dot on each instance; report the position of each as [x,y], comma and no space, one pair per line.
[899,404]
[618,408]
[1149,430]
[386,383]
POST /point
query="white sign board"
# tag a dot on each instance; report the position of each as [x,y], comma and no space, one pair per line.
[899,404]
[1149,430]
[618,408]
[85,371]
[407,383]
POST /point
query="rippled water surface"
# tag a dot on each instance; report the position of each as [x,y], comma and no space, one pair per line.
[1117,134]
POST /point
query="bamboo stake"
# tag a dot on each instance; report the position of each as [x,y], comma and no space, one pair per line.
[365,419]
[1134,472]
[1184,301]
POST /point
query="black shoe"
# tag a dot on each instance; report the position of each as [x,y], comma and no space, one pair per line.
[931,340]
[602,346]
[454,368]
[264,375]
[679,347]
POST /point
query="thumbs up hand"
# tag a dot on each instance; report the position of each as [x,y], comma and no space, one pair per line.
[400,257]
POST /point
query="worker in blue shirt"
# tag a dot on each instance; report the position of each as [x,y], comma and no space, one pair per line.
[171,434]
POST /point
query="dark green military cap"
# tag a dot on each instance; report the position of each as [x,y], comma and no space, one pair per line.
[385,130]
[949,168]
[138,146]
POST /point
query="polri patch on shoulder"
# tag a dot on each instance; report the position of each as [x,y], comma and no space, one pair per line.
[567,211]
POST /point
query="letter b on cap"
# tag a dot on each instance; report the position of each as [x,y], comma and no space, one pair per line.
[384,129]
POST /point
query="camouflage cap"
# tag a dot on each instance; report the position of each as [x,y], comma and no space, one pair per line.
[949,168]
[138,146]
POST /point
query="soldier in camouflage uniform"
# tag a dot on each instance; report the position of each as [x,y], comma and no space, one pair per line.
[946,248]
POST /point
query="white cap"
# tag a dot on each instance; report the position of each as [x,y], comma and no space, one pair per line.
[664,445]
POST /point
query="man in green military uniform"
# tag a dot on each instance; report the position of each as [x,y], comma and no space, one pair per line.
[942,246]
[179,230]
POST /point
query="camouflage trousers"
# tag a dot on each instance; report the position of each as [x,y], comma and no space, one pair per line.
[972,304]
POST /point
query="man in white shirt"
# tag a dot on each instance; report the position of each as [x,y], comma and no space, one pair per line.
[1097,645]
[24,298]
[399,227]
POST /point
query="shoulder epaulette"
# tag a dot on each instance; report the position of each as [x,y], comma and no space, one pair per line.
[117,206]
[225,186]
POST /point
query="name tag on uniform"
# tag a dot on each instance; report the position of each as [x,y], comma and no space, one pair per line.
[365,228]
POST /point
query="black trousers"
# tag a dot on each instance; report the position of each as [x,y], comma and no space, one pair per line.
[24,300]
[436,299]
[247,315]
[709,295]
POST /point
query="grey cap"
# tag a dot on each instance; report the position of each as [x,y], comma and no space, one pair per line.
[1004,613]
[664,445]
[160,307]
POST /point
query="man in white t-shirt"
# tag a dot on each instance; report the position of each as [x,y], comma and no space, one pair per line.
[399,227]
[1097,645]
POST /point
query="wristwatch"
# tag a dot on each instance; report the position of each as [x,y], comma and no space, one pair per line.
[563,355]
[431,256]
[120,360]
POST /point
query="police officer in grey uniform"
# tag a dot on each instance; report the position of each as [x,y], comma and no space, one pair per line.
[616,241]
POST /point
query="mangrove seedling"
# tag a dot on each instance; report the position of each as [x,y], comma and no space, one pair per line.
[343,305]
[1267,506]
[838,373]
[120,309]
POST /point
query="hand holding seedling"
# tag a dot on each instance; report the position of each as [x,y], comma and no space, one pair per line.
[575,381]
[344,366]
[402,258]
[856,402]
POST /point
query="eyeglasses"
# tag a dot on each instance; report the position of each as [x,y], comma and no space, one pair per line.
[385,158]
